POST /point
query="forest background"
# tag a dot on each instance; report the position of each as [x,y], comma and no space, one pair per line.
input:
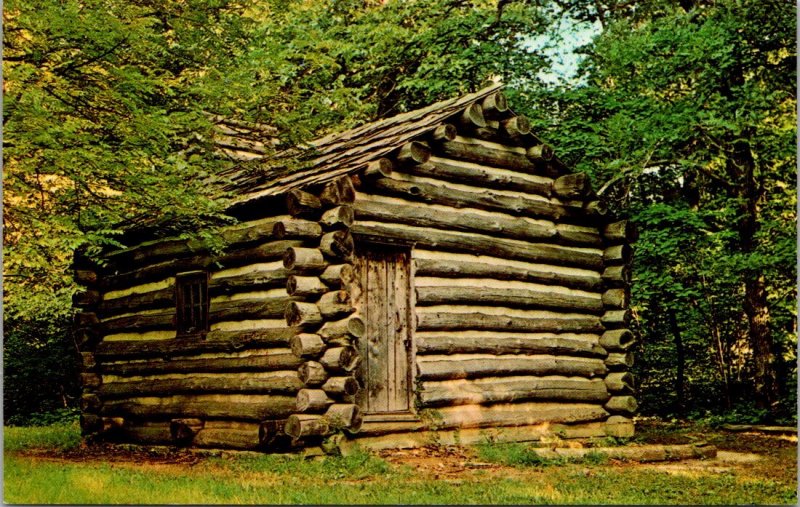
[682,111]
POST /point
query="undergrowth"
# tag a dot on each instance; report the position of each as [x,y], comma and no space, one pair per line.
[518,454]
[61,436]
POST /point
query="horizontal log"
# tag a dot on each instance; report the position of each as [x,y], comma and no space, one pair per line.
[374,428]
[349,326]
[296,228]
[302,204]
[304,425]
[380,168]
[90,402]
[85,277]
[622,404]
[619,360]
[338,217]
[89,380]
[335,304]
[312,400]
[261,382]
[305,286]
[639,453]
[478,244]
[238,438]
[340,359]
[493,342]
[258,360]
[492,154]
[307,345]
[239,309]
[184,430]
[236,236]
[273,250]
[337,244]
[617,340]
[510,389]
[248,281]
[616,298]
[312,373]
[270,432]
[616,318]
[145,432]
[540,153]
[446,218]
[346,416]
[489,267]
[517,414]
[619,426]
[620,382]
[480,198]
[338,275]
[573,186]
[617,276]
[304,260]
[413,152]
[86,298]
[477,318]
[341,386]
[161,298]
[471,117]
[618,254]
[215,341]
[233,406]
[623,231]
[509,297]
[302,314]
[483,365]
[460,171]
[139,322]
[760,428]
[495,106]
[249,309]
[444,132]
[570,234]
[516,127]
[337,192]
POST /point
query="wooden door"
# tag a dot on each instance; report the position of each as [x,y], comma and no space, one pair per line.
[385,370]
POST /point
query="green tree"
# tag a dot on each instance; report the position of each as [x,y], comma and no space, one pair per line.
[106,110]
[686,116]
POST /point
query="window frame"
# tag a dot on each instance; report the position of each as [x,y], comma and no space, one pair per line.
[191,326]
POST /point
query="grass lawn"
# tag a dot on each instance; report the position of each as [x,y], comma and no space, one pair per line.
[47,465]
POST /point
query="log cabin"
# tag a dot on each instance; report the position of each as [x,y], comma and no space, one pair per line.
[437,276]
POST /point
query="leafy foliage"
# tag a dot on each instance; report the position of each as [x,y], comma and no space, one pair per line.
[685,119]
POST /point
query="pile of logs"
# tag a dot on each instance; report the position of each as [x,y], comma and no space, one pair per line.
[618,339]
[321,280]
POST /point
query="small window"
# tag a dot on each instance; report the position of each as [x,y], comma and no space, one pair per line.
[191,299]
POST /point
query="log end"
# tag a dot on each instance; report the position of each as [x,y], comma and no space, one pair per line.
[540,152]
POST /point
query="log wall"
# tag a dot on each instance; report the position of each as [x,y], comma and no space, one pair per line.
[518,298]
[233,386]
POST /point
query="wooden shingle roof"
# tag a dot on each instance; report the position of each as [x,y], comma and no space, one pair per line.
[334,155]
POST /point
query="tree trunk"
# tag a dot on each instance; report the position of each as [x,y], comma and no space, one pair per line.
[680,359]
[765,376]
